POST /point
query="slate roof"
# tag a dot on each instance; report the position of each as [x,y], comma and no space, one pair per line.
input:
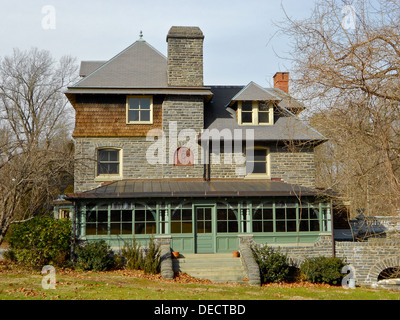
[254,92]
[138,66]
[145,188]
[88,67]
[220,114]
[141,69]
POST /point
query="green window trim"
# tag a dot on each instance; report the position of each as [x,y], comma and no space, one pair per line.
[227,218]
[181,218]
[145,218]
[231,217]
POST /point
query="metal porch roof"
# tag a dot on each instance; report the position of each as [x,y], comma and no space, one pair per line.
[155,188]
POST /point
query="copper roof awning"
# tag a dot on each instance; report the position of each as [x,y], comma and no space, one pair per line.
[156,188]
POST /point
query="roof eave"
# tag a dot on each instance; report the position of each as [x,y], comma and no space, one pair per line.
[81,196]
[199,91]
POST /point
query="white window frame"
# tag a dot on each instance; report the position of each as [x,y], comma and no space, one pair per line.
[109,177]
[127,109]
[255,114]
[266,175]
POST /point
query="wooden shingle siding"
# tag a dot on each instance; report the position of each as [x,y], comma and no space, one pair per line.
[105,116]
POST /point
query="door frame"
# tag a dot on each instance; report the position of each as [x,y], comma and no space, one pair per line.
[212,206]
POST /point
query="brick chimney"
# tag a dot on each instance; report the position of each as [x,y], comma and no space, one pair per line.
[281,81]
[185,57]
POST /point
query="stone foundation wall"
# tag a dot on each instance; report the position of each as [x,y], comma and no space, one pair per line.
[369,258]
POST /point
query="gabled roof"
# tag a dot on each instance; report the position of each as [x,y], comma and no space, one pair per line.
[287,126]
[254,92]
[87,67]
[138,66]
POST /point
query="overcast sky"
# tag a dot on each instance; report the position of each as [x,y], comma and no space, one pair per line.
[239,44]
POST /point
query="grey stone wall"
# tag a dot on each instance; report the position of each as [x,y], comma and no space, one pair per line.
[368,258]
[184,113]
[134,162]
[185,56]
[249,263]
[296,167]
[187,113]
[293,166]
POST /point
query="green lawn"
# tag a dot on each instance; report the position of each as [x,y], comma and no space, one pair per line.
[21,284]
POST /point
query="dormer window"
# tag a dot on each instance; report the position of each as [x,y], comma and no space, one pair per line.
[255,113]
[139,110]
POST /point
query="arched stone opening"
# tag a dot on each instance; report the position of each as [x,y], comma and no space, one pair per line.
[381,267]
[389,273]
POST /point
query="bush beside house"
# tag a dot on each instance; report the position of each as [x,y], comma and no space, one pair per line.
[40,241]
[274,267]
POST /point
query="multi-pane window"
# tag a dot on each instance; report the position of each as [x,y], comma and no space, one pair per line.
[108,161]
[139,110]
[263,217]
[96,219]
[129,218]
[257,161]
[263,113]
[255,113]
[286,217]
[145,218]
[120,219]
[309,220]
[204,220]
[227,220]
[247,112]
[181,219]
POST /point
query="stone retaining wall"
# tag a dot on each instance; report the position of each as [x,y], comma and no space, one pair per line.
[368,258]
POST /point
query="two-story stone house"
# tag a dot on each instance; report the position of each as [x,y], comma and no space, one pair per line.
[160,153]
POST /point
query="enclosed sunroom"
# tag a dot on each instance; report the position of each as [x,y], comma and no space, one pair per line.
[200,216]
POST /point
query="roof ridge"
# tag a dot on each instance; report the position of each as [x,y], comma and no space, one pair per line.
[107,62]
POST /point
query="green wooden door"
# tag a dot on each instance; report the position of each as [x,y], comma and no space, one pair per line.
[205,230]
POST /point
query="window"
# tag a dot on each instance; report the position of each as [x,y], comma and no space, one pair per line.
[181,219]
[64,214]
[263,217]
[257,162]
[227,220]
[247,112]
[309,218]
[139,109]
[120,219]
[108,162]
[263,113]
[183,157]
[255,113]
[145,218]
[96,219]
[285,217]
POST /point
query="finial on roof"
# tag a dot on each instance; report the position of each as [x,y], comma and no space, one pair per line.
[141,36]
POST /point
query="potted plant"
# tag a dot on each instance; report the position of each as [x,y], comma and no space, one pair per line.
[235,254]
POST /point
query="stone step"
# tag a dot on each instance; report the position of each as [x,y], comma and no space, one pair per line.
[187,262]
[214,267]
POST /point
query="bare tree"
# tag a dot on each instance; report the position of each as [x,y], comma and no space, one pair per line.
[346,60]
[34,147]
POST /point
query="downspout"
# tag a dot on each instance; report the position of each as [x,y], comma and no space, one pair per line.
[333,238]
[206,162]
[73,243]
